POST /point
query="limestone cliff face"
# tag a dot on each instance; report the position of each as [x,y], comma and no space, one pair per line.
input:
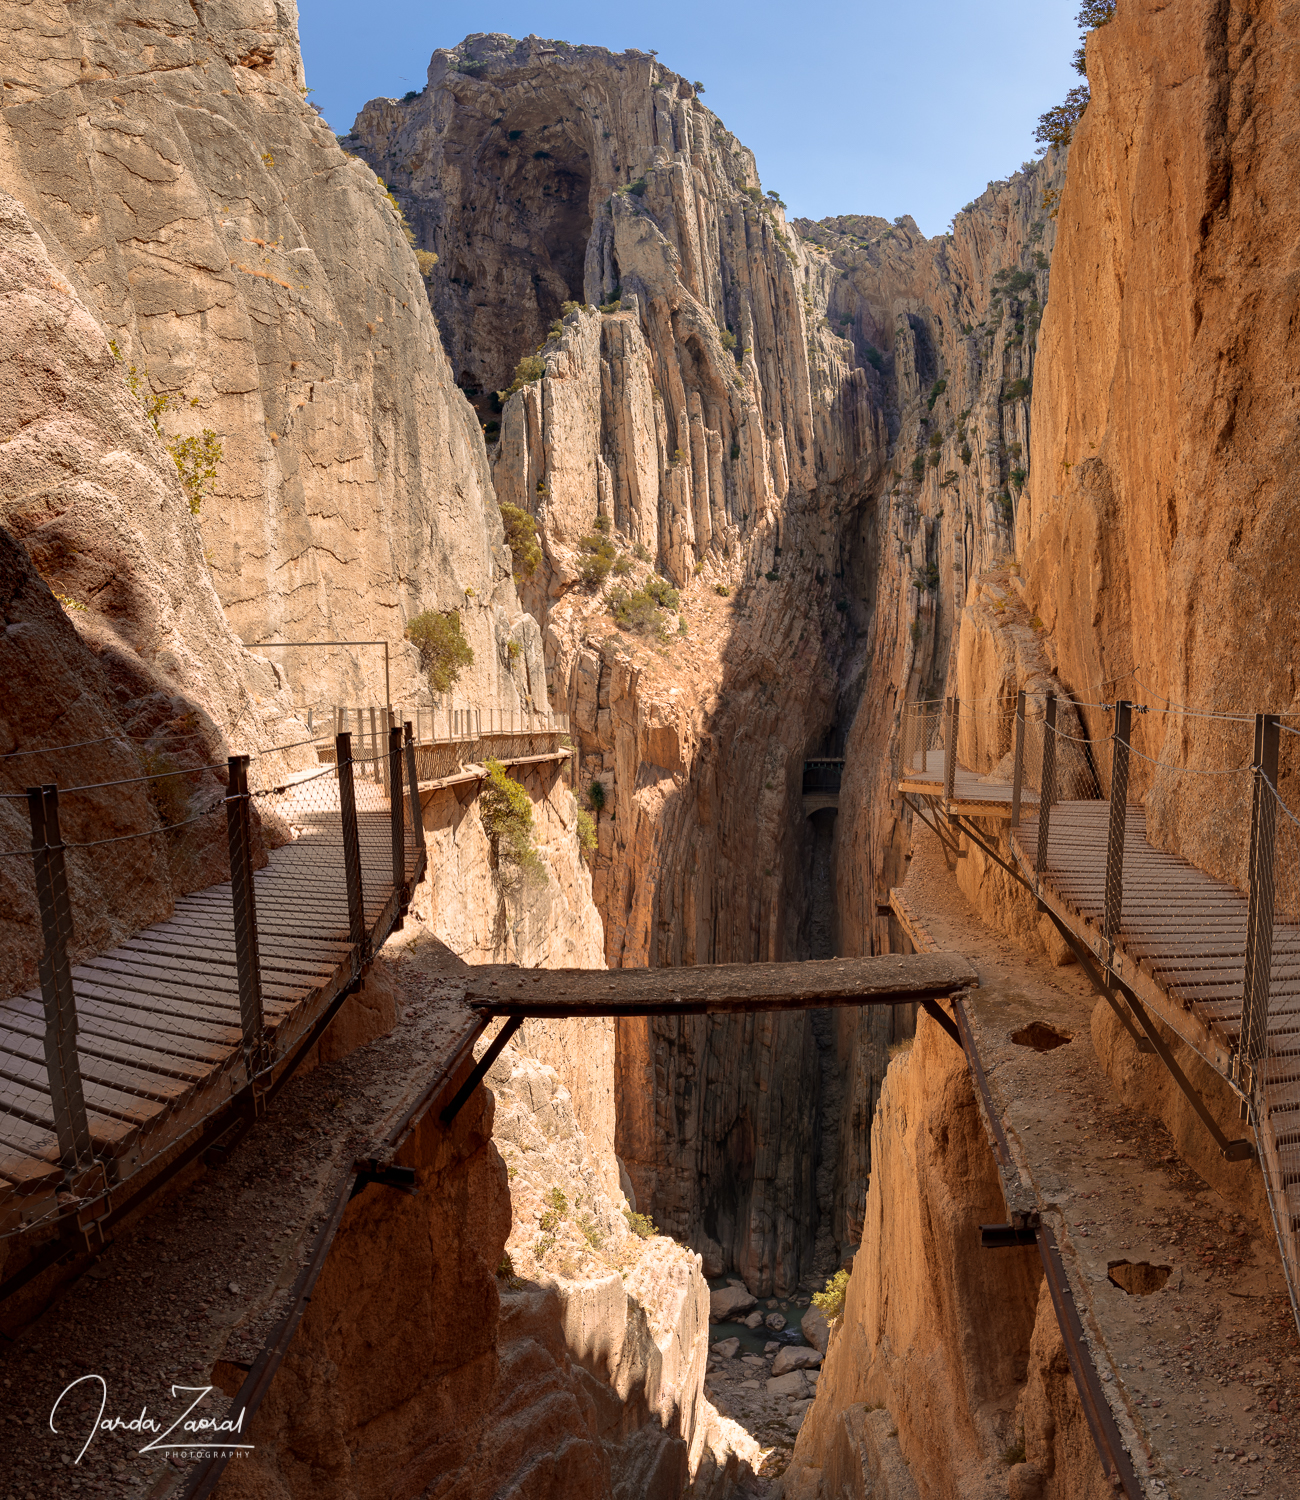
[114,640]
[742,415]
[930,1325]
[1165,439]
[202,212]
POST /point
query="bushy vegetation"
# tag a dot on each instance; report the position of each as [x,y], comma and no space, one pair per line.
[637,612]
[507,817]
[196,457]
[596,796]
[1018,390]
[597,556]
[531,367]
[444,651]
[641,1225]
[830,1301]
[936,390]
[1056,127]
[521,538]
[586,831]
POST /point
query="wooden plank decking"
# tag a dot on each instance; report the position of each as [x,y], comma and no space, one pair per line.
[158,1022]
[1181,948]
[979,796]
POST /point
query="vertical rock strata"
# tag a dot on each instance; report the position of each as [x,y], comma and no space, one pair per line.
[198,206]
[827,425]
[1157,541]
[933,1324]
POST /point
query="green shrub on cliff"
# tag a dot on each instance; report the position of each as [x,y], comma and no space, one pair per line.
[196,457]
[586,830]
[597,556]
[830,1301]
[641,1225]
[531,367]
[521,538]
[507,815]
[444,651]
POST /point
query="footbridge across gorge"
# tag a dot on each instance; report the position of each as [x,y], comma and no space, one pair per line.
[1095,808]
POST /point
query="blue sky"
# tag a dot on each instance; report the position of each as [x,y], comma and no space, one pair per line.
[868,108]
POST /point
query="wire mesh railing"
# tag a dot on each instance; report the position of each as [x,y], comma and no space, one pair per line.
[431,723]
[126,1049]
[1188,866]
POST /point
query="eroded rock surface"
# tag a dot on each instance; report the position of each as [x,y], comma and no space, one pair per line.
[1165,439]
[197,205]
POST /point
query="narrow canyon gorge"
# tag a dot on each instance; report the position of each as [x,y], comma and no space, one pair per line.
[716,504]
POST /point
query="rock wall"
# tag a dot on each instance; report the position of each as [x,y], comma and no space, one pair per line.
[115,643]
[200,210]
[1164,434]
[932,1324]
[740,418]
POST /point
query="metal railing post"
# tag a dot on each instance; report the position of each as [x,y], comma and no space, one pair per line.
[1114,903]
[248,963]
[1259,906]
[1018,772]
[61,1063]
[351,849]
[1046,783]
[950,758]
[413,791]
[395,807]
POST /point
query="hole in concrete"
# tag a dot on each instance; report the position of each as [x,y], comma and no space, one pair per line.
[1138,1278]
[1040,1037]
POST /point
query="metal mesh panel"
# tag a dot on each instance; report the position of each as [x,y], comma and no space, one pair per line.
[112,1062]
[921,754]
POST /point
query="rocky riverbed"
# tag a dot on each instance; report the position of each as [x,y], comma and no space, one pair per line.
[764,1362]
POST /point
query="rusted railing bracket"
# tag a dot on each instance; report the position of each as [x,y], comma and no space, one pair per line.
[513,1023]
[384,1174]
[1007,1236]
[936,1012]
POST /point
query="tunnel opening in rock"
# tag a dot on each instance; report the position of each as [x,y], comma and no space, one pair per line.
[1137,1278]
[1040,1036]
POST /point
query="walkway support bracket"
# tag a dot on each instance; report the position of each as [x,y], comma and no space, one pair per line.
[479,1072]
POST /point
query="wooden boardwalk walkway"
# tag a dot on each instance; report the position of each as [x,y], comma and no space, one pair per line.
[159,1037]
[1181,948]
[980,796]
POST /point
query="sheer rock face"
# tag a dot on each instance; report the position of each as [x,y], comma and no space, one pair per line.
[114,640]
[207,218]
[1165,437]
[779,472]
[930,1327]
